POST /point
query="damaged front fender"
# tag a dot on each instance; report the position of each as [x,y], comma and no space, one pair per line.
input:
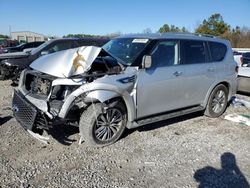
[95,91]
[100,95]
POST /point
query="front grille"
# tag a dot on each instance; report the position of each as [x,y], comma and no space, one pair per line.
[23,111]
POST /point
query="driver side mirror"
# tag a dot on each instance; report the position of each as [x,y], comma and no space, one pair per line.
[44,52]
[146,61]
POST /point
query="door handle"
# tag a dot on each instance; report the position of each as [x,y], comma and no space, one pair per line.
[177,73]
[211,69]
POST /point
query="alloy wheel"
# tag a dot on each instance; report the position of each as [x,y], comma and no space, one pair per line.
[108,124]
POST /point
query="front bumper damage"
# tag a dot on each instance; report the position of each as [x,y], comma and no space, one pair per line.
[27,114]
[48,96]
[29,117]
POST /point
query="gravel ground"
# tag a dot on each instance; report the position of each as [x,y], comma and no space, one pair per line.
[190,151]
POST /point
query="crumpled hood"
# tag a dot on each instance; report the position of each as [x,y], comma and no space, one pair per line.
[13,55]
[67,63]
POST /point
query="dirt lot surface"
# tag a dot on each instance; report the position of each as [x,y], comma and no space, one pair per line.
[190,151]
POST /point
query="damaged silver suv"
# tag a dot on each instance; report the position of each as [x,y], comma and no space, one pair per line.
[131,81]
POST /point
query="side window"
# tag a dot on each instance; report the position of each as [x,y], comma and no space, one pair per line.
[193,52]
[165,54]
[29,45]
[85,42]
[63,45]
[218,51]
[75,44]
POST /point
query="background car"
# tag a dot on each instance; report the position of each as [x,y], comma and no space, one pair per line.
[11,64]
[245,60]
[8,43]
[237,57]
[21,47]
[244,79]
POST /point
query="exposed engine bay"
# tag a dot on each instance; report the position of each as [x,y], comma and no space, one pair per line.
[39,83]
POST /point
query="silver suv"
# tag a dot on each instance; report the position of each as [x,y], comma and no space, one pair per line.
[131,81]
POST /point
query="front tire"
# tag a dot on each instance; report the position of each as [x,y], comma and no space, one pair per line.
[99,128]
[217,102]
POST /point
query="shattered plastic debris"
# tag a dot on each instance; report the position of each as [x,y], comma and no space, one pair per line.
[41,138]
[239,118]
[236,102]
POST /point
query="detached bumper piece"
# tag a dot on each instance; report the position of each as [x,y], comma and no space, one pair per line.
[28,115]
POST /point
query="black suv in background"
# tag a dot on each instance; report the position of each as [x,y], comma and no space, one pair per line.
[11,64]
[21,47]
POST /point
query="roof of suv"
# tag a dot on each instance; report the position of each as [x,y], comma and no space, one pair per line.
[85,38]
[175,36]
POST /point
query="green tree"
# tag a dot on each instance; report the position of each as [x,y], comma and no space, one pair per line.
[184,30]
[147,30]
[214,25]
[4,36]
[165,28]
[82,36]
[172,28]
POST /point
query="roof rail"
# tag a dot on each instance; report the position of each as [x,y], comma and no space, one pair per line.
[205,35]
[193,34]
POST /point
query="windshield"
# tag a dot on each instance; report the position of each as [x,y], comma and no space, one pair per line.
[125,50]
[39,48]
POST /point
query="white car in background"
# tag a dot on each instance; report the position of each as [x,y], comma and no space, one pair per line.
[237,57]
[244,79]
[244,71]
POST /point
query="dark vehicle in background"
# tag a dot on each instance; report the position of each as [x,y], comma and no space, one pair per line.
[245,59]
[11,64]
[21,47]
[4,43]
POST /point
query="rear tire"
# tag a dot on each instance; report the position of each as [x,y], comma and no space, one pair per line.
[99,128]
[217,102]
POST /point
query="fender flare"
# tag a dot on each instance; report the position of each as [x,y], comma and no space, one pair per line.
[94,91]
[100,95]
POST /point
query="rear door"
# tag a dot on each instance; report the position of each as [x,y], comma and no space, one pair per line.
[200,72]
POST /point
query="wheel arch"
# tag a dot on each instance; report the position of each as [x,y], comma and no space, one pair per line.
[225,83]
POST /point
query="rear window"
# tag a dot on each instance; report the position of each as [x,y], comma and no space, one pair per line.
[218,51]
